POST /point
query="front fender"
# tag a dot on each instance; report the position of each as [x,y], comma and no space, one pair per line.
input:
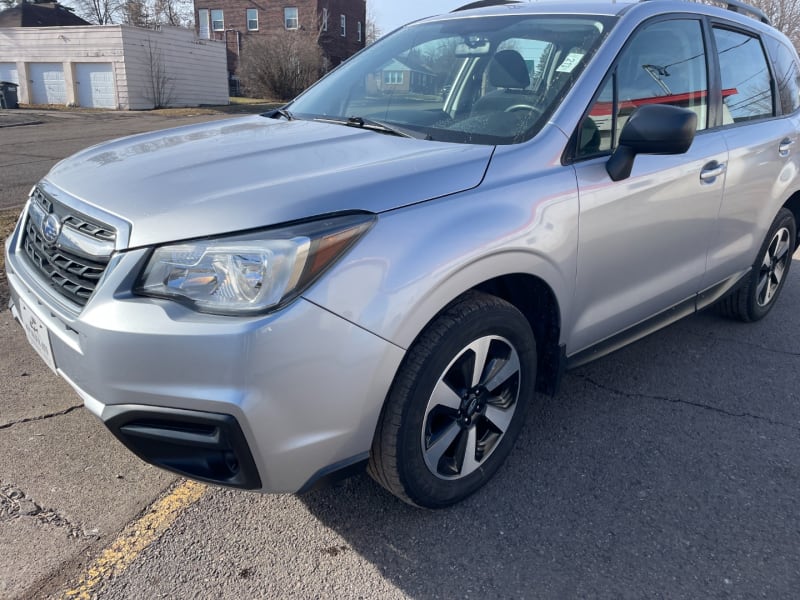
[417,259]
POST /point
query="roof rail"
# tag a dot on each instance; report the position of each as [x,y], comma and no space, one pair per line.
[739,7]
[484,3]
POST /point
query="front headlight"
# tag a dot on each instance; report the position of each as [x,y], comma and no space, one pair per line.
[249,273]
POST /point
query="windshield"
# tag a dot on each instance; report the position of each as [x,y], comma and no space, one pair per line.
[479,80]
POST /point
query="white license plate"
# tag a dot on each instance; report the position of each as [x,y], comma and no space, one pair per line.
[37,333]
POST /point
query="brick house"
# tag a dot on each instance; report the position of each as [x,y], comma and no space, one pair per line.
[342,23]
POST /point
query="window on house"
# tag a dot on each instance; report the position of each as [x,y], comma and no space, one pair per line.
[344,26]
[290,18]
[359,31]
[252,19]
[203,24]
[324,19]
[393,77]
[217,21]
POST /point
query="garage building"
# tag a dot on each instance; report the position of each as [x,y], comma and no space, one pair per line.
[111,66]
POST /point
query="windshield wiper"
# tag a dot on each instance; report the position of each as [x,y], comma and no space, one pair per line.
[379,126]
[382,127]
[279,112]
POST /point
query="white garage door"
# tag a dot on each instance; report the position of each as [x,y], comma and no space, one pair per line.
[47,83]
[95,84]
[8,72]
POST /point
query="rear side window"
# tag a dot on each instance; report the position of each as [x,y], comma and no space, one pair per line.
[746,89]
[787,75]
[664,63]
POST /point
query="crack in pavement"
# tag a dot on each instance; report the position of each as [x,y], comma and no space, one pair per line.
[66,411]
[29,162]
[19,124]
[15,504]
[716,409]
[743,343]
[24,155]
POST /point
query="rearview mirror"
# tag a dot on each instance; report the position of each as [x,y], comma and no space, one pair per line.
[473,46]
[652,129]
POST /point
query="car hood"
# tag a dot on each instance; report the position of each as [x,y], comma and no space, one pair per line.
[245,173]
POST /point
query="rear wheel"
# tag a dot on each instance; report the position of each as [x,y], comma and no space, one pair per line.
[457,404]
[757,295]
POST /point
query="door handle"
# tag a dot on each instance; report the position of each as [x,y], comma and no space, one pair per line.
[712,170]
[785,147]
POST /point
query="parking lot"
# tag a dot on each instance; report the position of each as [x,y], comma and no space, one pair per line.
[668,469]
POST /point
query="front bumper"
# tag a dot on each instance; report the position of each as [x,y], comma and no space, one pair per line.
[300,391]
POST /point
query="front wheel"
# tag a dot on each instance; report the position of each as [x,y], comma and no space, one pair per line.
[757,295]
[457,403]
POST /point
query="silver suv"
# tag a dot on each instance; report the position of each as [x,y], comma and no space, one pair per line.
[384,271]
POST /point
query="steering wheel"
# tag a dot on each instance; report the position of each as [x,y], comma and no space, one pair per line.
[528,107]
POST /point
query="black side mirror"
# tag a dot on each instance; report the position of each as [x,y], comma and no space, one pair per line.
[652,129]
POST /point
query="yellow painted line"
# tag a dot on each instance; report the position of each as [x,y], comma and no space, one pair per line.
[136,536]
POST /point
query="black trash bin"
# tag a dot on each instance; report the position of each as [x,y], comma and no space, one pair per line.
[8,95]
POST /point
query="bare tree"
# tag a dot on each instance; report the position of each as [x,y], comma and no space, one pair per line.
[170,12]
[137,12]
[160,86]
[142,13]
[783,14]
[281,65]
[372,30]
[97,12]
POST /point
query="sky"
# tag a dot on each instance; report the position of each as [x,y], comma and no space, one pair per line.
[391,14]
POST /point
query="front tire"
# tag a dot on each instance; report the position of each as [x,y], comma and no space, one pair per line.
[457,403]
[756,297]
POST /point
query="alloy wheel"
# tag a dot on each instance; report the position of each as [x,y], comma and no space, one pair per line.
[773,266]
[471,407]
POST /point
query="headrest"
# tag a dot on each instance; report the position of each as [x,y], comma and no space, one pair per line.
[508,70]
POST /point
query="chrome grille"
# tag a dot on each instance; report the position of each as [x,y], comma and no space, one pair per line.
[74,264]
[96,231]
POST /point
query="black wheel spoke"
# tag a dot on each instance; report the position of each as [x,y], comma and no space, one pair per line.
[500,418]
[501,375]
[444,395]
[443,441]
[465,461]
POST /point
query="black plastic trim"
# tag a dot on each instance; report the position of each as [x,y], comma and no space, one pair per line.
[205,446]
[643,329]
[656,322]
[329,475]
[715,292]
[484,4]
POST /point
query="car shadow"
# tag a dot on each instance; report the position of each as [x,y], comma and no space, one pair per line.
[666,469]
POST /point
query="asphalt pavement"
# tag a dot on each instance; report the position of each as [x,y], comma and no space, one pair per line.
[669,469]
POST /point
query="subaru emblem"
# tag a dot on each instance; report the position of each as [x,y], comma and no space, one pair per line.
[51,227]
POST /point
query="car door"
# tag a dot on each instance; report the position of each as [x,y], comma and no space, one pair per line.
[762,145]
[643,241]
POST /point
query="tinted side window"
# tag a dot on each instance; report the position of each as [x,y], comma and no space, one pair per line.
[746,89]
[787,75]
[664,63]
